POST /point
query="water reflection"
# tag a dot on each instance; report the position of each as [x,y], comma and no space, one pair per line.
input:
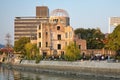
[6,74]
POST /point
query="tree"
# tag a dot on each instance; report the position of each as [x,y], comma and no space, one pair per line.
[113,40]
[19,45]
[28,48]
[8,45]
[31,51]
[94,37]
[72,52]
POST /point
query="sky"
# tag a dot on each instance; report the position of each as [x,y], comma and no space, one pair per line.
[83,13]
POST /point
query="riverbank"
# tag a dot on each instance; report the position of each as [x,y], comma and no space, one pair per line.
[78,68]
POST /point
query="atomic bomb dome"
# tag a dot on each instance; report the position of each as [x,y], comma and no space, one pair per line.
[60,13]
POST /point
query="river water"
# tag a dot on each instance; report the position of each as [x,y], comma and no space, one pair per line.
[6,74]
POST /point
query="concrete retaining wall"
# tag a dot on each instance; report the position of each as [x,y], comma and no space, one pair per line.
[89,64]
[89,68]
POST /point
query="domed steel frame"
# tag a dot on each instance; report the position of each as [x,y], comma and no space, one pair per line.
[59,12]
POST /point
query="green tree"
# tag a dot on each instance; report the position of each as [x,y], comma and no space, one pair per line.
[28,48]
[31,51]
[94,37]
[19,45]
[113,42]
[72,52]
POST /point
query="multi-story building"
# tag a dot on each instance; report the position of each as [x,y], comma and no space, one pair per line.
[51,34]
[27,26]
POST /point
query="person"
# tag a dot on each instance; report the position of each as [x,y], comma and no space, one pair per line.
[102,57]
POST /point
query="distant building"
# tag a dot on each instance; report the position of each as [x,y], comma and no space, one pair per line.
[113,21]
[51,34]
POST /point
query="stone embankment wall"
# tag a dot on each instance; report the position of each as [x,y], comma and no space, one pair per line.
[78,68]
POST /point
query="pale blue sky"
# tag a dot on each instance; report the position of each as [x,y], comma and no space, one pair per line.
[83,13]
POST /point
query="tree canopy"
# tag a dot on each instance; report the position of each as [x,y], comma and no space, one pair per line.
[113,40]
[94,37]
[19,45]
[31,50]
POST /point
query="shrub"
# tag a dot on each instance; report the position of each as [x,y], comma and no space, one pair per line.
[38,58]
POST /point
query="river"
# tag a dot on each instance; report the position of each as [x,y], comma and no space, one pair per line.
[6,74]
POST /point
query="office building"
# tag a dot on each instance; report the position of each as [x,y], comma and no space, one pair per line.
[27,26]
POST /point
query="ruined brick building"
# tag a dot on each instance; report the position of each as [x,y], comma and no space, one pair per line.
[50,33]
